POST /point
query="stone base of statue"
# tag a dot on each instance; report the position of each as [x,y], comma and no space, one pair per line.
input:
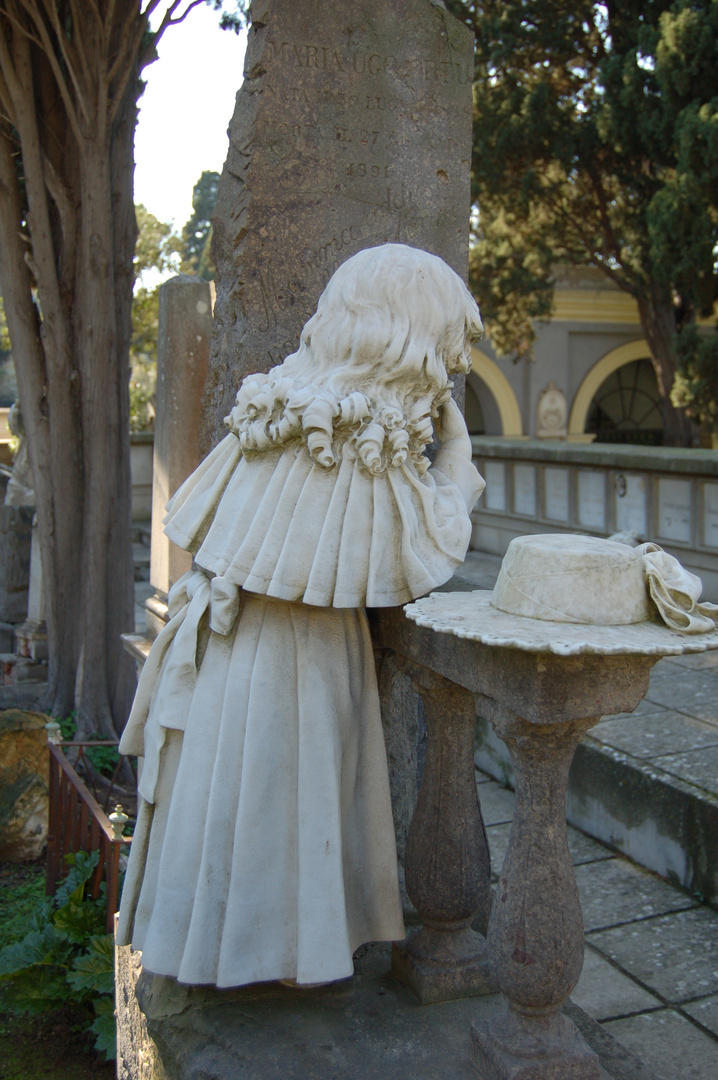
[370,1025]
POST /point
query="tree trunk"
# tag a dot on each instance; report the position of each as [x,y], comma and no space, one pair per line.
[104,675]
[67,236]
[659,325]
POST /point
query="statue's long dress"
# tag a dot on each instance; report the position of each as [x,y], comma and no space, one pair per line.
[264,847]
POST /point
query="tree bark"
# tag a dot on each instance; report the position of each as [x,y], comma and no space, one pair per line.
[658,322]
[68,90]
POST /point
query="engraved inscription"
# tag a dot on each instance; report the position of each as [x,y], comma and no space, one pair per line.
[674,509]
[631,503]
[710,515]
[495,497]
[592,499]
[350,131]
[330,59]
[555,494]
[525,490]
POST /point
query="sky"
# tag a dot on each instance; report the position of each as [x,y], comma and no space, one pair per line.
[185,111]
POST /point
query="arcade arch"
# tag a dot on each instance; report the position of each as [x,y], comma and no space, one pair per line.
[620,394]
[501,398]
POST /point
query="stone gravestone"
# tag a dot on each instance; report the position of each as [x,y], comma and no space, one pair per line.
[185,316]
[352,128]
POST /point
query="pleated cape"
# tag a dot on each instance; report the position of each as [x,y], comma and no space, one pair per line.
[280,525]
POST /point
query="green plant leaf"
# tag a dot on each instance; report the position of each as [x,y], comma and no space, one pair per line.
[38,948]
[36,989]
[95,969]
[82,864]
[104,1027]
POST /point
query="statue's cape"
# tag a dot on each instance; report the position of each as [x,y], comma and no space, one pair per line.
[280,525]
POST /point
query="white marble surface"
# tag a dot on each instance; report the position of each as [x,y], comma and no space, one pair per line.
[567,593]
[471,615]
[525,490]
[265,845]
[674,509]
[556,497]
[630,493]
[591,498]
[710,515]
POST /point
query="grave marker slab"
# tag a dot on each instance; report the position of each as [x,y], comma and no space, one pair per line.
[352,128]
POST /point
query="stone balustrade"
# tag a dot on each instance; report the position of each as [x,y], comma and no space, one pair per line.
[540,704]
[661,493]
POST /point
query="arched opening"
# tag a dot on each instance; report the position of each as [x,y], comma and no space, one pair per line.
[491,405]
[626,408]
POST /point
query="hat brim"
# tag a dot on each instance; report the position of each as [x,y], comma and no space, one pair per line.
[471,615]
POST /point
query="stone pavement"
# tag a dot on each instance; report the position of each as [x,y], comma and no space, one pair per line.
[651,968]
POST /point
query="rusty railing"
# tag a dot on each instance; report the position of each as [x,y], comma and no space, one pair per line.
[77,822]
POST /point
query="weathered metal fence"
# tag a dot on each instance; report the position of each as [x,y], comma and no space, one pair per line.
[77,822]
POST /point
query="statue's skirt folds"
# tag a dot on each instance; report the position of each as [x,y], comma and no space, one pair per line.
[268,851]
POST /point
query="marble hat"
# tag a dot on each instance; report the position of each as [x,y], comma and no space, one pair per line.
[567,593]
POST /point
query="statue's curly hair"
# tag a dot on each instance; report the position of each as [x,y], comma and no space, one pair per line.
[373,364]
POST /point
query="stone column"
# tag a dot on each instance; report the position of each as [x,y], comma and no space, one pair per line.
[446,862]
[185,325]
[535,934]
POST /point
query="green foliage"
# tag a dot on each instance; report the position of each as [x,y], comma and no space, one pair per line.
[234,19]
[18,904]
[65,957]
[104,1028]
[696,385]
[104,758]
[157,253]
[595,143]
[197,233]
[5,345]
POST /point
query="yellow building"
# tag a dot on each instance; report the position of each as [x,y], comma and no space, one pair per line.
[592,354]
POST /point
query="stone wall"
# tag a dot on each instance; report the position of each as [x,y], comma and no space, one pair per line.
[24,771]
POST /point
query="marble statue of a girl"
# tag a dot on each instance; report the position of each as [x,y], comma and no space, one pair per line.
[264,847]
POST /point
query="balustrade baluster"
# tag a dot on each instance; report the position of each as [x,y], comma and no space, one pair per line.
[446,861]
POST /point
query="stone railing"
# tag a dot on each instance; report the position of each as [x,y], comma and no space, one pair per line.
[661,493]
[540,705]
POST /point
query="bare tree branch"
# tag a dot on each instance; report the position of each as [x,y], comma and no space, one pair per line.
[61,36]
[61,198]
[7,67]
[23,29]
[6,98]
[169,21]
[77,22]
[49,52]
[124,62]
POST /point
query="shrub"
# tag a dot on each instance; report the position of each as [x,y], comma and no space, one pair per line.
[65,958]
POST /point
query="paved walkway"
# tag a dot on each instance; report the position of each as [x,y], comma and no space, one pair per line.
[651,968]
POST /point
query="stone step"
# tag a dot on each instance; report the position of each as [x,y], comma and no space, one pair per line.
[368,1026]
[645,783]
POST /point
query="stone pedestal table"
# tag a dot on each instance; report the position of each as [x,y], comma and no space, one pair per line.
[543,685]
